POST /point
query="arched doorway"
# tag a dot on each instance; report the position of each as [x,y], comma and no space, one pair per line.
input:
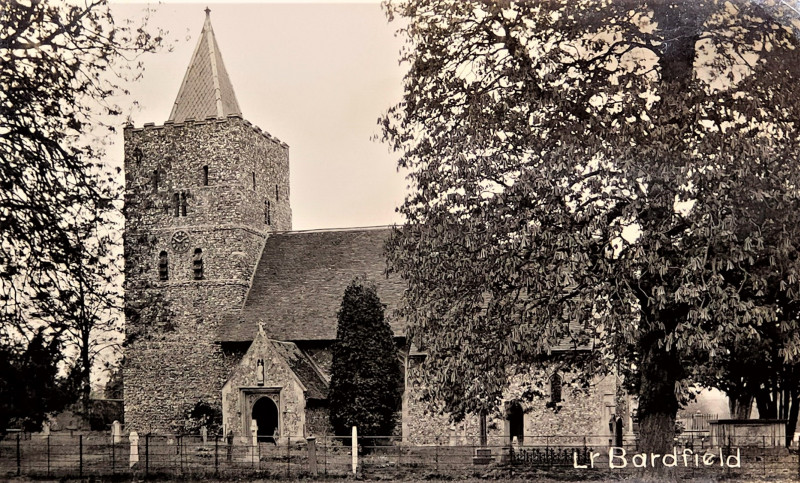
[265,412]
[516,423]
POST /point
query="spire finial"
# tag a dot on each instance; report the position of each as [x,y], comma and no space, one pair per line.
[208,11]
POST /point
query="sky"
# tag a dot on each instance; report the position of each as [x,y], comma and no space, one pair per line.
[315,75]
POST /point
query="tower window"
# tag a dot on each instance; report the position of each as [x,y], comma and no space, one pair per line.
[267,214]
[205,175]
[555,389]
[198,264]
[163,266]
[177,198]
[183,203]
[137,155]
[276,193]
[254,180]
[155,179]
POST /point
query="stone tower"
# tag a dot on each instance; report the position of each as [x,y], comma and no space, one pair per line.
[203,192]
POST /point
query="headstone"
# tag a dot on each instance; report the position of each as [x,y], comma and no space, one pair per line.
[254,431]
[204,434]
[134,439]
[45,429]
[116,432]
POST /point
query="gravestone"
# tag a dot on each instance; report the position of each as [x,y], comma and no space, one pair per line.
[116,432]
[204,434]
[134,439]
[45,429]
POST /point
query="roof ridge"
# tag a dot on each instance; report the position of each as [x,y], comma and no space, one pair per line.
[333,230]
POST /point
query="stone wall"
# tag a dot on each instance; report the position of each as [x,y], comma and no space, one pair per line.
[172,360]
[581,413]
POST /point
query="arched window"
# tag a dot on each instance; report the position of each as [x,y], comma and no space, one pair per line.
[155,179]
[137,155]
[205,175]
[555,389]
[267,215]
[276,193]
[254,180]
[177,204]
[198,264]
[183,203]
[163,266]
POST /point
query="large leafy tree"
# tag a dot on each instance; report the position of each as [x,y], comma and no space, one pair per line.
[61,64]
[616,175]
[365,374]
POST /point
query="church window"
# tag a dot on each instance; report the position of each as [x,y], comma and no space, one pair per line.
[198,264]
[555,389]
[276,193]
[267,214]
[155,179]
[254,180]
[183,203]
[137,155]
[163,266]
[177,204]
[205,175]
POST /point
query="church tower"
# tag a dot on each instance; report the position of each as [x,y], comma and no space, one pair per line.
[203,192]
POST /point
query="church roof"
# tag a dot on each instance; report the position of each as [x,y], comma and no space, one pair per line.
[300,281]
[206,90]
[305,370]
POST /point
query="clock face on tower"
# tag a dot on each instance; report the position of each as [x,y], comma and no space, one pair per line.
[180,241]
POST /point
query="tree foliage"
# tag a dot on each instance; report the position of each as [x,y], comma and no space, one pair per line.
[614,175]
[61,63]
[30,387]
[365,377]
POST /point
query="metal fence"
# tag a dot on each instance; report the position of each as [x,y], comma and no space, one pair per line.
[94,454]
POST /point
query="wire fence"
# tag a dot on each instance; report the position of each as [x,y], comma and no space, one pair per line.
[95,454]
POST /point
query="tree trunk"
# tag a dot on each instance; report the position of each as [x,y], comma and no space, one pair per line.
[658,403]
[740,405]
[791,424]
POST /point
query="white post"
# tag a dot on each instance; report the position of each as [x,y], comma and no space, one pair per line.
[134,452]
[354,443]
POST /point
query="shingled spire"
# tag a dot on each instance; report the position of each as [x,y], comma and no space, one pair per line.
[206,89]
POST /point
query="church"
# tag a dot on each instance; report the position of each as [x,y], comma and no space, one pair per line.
[228,308]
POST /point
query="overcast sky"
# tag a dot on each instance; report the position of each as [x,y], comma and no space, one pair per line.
[315,75]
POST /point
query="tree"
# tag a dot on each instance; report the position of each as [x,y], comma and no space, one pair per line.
[365,377]
[30,387]
[60,66]
[613,174]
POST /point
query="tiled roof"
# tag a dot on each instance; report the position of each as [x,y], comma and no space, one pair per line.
[300,281]
[301,365]
[206,90]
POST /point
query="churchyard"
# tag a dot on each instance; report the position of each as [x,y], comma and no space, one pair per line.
[79,454]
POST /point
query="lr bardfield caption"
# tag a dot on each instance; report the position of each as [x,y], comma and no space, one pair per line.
[619,458]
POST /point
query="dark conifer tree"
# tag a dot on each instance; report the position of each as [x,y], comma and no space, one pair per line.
[365,380]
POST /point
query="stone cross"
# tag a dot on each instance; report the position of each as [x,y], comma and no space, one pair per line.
[134,439]
[116,432]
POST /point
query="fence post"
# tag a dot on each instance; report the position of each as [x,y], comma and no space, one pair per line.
[436,454]
[146,454]
[288,455]
[216,454]
[48,455]
[113,456]
[354,449]
[312,455]
[80,455]
[19,460]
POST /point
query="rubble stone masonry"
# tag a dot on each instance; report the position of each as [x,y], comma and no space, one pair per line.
[208,191]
